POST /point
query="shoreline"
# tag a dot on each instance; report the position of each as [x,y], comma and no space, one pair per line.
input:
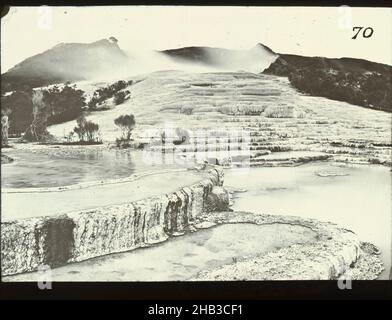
[84,185]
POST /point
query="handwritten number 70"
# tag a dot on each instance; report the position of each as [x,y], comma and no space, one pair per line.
[366,33]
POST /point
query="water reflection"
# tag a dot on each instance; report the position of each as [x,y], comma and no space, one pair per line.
[62,167]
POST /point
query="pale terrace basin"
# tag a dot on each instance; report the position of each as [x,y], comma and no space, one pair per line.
[51,181]
[33,204]
[183,257]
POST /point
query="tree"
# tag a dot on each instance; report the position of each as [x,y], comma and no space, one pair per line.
[87,131]
[37,130]
[63,104]
[91,129]
[80,128]
[20,106]
[4,128]
[126,123]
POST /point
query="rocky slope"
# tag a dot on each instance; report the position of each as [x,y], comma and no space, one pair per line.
[355,81]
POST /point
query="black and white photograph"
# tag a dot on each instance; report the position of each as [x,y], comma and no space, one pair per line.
[193,143]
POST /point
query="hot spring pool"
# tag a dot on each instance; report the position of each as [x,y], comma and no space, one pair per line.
[68,165]
[357,197]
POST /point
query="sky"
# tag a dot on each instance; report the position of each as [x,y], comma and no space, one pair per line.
[311,31]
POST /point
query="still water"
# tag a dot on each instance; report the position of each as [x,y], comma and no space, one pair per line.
[69,165]
[356,197]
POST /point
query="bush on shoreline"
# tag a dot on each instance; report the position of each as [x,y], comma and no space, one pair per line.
[87,131]
[126,123]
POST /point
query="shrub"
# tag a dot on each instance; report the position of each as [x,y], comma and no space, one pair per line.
[91,130]
[186,110]
[279,112]
[102,94]
[126,123]
[87,131]
[248,110]
[121,96]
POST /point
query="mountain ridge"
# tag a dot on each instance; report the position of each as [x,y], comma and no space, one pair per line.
[80,61]
[64,62]
[255,59]
[356,81]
